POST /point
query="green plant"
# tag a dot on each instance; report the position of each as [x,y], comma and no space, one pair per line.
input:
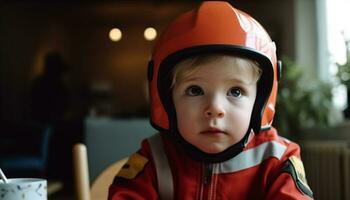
[302,101]
[344,69]
[343,76]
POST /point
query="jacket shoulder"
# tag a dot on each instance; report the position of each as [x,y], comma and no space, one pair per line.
[291,148]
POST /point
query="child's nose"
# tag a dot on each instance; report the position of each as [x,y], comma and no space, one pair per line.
[215,109]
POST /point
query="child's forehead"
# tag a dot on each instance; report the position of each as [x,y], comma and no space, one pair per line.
[211,65]
[222,69]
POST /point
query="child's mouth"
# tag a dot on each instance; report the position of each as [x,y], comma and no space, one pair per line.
[213,131]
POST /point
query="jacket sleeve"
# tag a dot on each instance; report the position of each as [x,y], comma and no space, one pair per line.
[288,182]
[137,178]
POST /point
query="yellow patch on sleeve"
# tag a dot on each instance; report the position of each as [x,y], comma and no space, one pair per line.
[299,169]
[133,166]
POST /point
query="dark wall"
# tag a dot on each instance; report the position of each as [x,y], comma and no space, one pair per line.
[80,33]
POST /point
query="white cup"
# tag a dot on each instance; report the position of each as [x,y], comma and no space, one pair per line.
[23,189]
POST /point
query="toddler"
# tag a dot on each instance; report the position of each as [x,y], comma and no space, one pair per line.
[213,83]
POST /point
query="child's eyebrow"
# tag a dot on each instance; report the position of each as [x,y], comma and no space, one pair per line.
[189,79]
[241,80]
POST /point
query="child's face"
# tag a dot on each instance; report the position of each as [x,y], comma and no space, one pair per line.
[214,105]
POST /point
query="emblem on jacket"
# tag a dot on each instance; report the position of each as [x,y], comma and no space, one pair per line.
[133,166]
[294,166]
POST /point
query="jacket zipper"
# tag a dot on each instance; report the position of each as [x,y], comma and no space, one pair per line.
[206,185]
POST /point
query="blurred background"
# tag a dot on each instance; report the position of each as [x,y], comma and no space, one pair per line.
[75,71]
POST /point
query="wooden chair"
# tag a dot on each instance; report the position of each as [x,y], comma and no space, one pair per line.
[99,188]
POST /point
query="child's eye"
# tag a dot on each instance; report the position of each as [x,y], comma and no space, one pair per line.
[235,92]
[194,91]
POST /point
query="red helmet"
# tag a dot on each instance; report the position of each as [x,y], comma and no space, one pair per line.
[215,27]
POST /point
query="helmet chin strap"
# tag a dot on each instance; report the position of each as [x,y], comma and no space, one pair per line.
[250,137]
[227,154]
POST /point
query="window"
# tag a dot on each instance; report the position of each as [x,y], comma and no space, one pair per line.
[337,14]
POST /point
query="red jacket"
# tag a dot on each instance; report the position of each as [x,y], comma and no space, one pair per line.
[268,168]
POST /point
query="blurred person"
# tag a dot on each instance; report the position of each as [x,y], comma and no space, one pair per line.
[50,106]
[49,93]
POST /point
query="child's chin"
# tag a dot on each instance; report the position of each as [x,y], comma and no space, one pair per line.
[212,150]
